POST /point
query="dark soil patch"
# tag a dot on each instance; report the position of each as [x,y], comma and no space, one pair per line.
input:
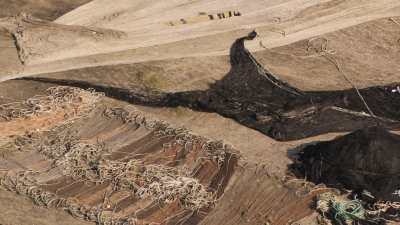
[256,98]
[367,159]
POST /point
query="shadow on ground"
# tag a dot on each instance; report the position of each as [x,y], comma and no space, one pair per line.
[256,98]
[366,159]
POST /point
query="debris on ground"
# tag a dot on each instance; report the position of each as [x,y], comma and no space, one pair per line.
[93,162]
[364,161]
[58,98]
[341,211]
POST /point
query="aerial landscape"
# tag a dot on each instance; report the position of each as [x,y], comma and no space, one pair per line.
[199,112]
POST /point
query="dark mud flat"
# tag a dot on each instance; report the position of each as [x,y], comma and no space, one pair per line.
[256,98]
[367,159]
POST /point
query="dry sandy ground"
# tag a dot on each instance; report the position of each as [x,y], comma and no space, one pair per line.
[151,38]
[16,209]
[19,210]
[8,53]
[190,56]
[367,53]
[254,187]
[44,9]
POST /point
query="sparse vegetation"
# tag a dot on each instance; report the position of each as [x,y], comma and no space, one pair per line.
[152,81]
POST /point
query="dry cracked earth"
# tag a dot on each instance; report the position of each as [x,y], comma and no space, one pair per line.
[199,112]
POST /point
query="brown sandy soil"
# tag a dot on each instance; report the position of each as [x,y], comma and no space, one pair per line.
[44,9]
[20,126]
[365,44]
[51,38]
[168,75]
[12,91]
[9,59]
[367,53]
[265,201]
[255,148]
[122,138]
[16,209]
[129,141]
[305,20]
